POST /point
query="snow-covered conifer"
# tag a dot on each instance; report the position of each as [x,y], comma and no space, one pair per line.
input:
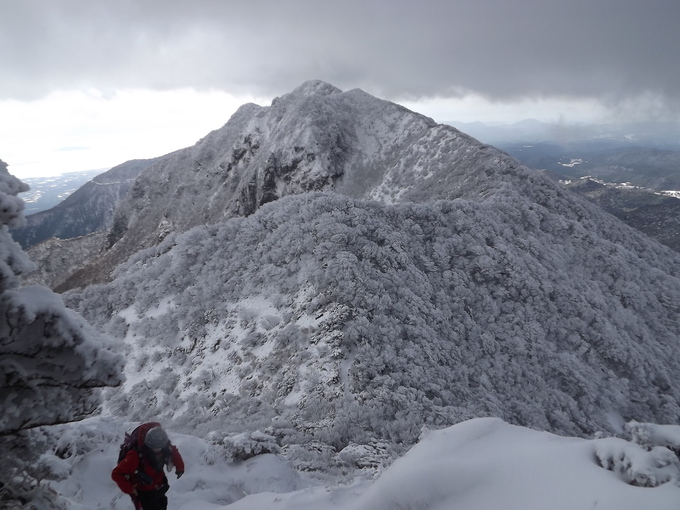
[51,359]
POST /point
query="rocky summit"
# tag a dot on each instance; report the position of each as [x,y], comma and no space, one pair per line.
[316,138]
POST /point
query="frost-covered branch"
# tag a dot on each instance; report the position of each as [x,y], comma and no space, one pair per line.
[51,360]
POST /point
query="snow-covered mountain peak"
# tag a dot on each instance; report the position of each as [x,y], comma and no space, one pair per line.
[317,138]
[315,88]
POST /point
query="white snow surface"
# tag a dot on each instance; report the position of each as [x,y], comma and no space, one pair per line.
[479,464]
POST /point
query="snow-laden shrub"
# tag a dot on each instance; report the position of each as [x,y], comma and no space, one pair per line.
[651,459]
[51,360]
[371,456]
[23,490]
[637,465]
[249,444]
[652,434]
[311,456]
[62,448]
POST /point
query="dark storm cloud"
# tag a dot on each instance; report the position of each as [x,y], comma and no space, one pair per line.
[613,50]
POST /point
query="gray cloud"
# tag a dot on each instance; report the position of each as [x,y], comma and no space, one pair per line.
[617,51]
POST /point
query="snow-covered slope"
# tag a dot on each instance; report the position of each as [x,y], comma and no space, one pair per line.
[477,465]
[56,259]
[336,320]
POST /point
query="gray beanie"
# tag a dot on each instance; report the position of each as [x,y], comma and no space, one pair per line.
[156,438]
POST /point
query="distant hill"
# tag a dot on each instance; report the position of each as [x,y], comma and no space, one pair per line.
[46,192]
[651,168]
[576,137]
[88,209]
[655,214]
[639,185]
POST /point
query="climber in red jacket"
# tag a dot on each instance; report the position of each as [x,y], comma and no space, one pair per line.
[143,457]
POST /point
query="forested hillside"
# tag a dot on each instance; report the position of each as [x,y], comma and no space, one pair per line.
[327,318]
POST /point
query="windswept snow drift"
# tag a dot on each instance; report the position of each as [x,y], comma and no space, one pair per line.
[476,465]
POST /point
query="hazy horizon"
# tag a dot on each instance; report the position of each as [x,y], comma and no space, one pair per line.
[91,84]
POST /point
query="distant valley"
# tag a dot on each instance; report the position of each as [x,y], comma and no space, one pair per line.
[88,209]
[46,192]
[632,171]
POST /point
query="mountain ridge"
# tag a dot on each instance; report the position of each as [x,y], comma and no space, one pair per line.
[440,281]
[305,141]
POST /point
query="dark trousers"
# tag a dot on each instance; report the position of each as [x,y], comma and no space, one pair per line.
[151,500]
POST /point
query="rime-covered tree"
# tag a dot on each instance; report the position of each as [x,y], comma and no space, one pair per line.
[51,360]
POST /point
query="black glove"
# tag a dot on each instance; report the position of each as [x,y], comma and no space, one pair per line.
[179,474]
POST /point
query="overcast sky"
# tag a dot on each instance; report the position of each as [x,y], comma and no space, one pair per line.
[91,83]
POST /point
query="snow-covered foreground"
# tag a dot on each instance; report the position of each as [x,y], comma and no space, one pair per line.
[480,464]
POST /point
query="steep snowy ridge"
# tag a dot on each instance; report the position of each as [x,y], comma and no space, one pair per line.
[315,138]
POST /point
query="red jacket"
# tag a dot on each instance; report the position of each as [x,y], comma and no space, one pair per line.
[125,473]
